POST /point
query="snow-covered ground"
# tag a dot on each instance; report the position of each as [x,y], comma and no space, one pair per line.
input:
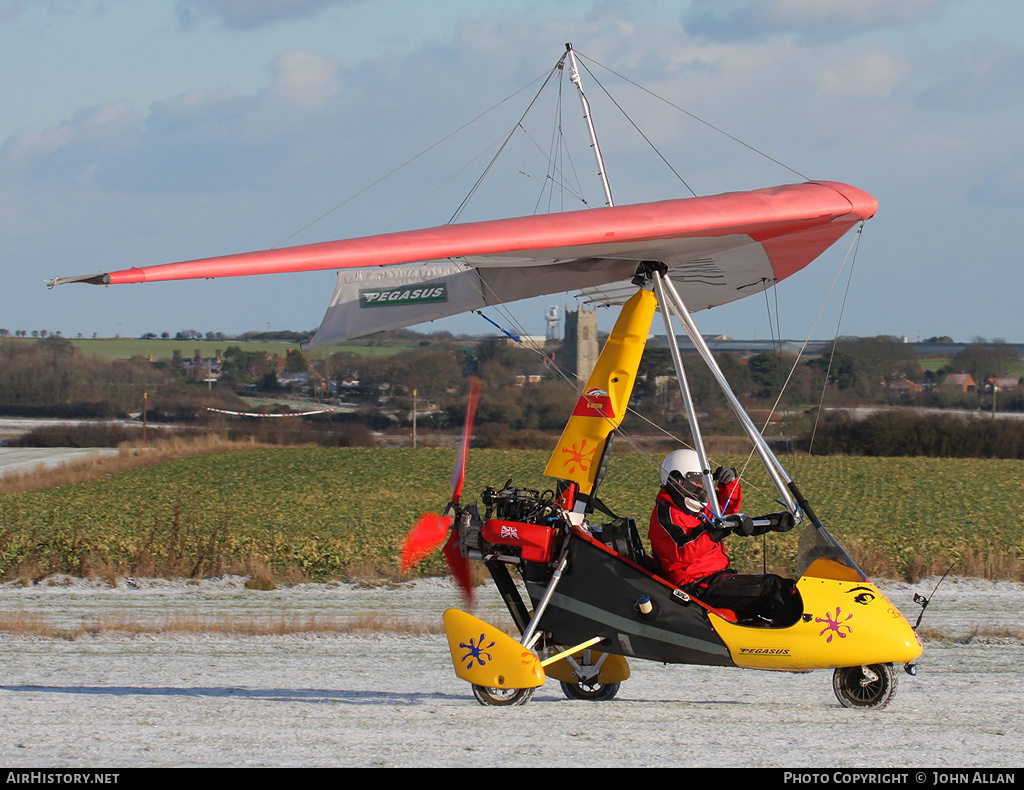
[26,459]
[386,699]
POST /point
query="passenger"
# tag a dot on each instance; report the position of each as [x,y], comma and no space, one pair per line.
[688,543]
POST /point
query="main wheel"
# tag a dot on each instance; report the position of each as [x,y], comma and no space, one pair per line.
[870,690]
[589,691]
[497,696]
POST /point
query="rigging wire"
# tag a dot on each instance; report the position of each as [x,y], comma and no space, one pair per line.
[577,385]
[638,129]
[777,341]
[563,374]
[854,244]
[835,341]
[438,188]
[768,311]
[777,345]
[851,251]
[553,179]
[556,152]
[409,161]
[549,157]
[560,152]
[483,175]
[697,118]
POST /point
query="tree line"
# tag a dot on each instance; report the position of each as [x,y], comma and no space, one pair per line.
[527,396]
[52,378]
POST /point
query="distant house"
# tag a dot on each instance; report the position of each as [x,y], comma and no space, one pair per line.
[906,387]
[960,381]
[204,368]
[996,385]
[318,385]
[530,341]
[297,380]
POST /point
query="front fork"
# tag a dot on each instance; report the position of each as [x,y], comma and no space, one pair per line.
[587,672]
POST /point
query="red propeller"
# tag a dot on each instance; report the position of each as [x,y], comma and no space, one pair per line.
[430,530]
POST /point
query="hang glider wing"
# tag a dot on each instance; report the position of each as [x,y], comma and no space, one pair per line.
[718,249]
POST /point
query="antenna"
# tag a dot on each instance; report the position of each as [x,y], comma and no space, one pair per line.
[551,317]
[923,602]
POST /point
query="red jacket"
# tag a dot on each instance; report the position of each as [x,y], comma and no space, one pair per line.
[681,542]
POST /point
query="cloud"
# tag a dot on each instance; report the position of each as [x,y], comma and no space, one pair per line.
[200,141]
[71,153]
[825,108]
[250,14]
[730,20]
[317,121]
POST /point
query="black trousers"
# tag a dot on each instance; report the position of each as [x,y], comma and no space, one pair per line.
[753,597]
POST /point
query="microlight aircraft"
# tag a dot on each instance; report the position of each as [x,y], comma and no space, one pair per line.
[593,597]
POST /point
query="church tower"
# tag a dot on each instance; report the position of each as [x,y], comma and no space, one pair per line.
[580,350]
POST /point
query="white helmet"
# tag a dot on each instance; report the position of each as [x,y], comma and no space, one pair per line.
[681,475]
[686,462]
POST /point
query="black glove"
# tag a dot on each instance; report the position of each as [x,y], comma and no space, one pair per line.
[718,534]
[724,475]
[782,522]
[740,524]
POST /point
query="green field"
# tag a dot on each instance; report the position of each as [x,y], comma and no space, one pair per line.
[127,347]
[321,513]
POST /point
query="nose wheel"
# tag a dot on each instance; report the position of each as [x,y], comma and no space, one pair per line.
[502,697]
[868,687]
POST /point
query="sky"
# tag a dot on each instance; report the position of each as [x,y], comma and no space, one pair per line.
[133,134]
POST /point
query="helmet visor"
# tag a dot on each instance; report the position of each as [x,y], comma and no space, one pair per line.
[690,486]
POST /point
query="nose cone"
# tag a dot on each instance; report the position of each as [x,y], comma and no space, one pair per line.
[859,624]
[844,624]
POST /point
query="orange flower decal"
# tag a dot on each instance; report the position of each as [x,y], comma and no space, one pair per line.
[579,456]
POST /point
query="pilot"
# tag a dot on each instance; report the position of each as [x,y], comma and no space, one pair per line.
[688,543]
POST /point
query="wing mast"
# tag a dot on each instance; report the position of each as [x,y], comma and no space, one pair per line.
[574,75]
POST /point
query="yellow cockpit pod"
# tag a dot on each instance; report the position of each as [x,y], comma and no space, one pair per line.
[845,623]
